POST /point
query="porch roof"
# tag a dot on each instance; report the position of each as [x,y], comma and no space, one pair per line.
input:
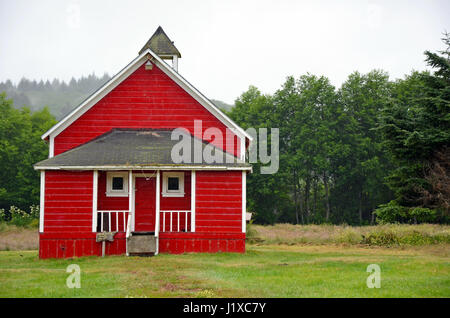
[134,148]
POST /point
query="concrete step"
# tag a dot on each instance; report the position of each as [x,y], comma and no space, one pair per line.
[141,244]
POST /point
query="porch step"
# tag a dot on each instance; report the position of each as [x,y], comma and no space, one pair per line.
[142,233]
[141,244]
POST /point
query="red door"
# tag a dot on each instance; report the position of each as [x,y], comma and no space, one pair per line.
[145,196]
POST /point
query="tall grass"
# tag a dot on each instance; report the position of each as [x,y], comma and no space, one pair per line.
[378,235]
[13,237]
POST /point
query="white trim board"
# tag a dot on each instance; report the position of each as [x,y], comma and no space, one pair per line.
[193,193]
[125,73]
[42,203]
[244,202]
[113,168]
[94,200]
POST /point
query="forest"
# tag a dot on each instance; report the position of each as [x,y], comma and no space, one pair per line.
[373,150]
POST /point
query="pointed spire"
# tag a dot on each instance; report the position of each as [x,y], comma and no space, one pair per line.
[161,45]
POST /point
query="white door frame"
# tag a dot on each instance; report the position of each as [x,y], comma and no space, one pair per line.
[133,203]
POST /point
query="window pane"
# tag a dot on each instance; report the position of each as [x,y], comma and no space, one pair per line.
[173,183]
[117,183]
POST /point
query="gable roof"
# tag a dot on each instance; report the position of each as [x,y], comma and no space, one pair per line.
[135,148]
[161,44]
[127,71]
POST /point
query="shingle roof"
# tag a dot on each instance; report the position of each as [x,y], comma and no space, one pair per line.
[131,148]
[161,44]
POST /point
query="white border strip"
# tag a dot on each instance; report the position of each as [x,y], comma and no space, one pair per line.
[193,184]
[42,202]
[244,201]
[112,168]
[51,147]
[94,200]
[157,208]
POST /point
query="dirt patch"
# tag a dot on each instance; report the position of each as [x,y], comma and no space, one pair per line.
[19,239]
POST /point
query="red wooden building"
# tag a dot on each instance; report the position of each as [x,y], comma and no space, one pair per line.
[111,171]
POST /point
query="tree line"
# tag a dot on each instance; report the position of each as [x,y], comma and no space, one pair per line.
[60,97]
[21,146]
[372,149]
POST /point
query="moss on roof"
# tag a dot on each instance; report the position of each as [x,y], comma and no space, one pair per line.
[161,44]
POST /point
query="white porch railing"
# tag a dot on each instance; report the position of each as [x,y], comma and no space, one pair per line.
[112,221]
[175,221]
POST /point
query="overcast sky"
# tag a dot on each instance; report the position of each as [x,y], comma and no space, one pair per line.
[225,45]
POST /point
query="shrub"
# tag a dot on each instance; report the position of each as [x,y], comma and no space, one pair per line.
[392,212]
[349,235]
[381,239]
[422,215]
[18,217]
[2,215]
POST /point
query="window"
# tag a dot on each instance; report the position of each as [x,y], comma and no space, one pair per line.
[117,184]
[173,184]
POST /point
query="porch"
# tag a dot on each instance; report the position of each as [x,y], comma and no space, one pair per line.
[143,203]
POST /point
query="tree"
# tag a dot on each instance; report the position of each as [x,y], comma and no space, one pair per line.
[361,163]
[21,147]
[416,132]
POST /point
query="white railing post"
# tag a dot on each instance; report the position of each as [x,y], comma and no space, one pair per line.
[175,214]
[164,221]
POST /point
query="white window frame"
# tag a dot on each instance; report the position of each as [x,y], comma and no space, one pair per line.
[165,188]
[116,193]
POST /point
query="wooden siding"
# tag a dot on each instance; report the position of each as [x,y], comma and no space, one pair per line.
[146,99]
[68,215]
[106,203]
[218,201]
[68,201]
[177,203]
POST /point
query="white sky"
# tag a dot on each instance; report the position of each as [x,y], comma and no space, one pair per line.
[225,45]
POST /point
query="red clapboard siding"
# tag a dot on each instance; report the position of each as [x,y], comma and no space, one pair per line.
[218,201]
[177,203]
[146,99]
[105,203]
[68,204]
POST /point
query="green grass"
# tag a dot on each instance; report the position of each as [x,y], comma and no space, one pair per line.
[263,271]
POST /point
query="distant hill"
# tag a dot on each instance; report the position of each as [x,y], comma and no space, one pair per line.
[59,96]
[222,105]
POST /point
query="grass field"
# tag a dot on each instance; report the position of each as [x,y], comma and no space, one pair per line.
[282,261]
[263,271]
